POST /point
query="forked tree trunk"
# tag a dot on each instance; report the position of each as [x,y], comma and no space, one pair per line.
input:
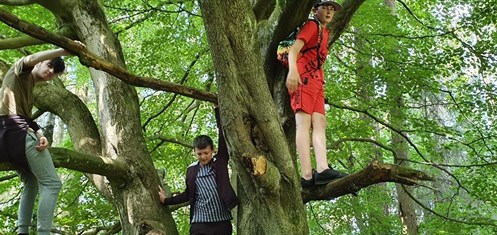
[271,203]
[135,195]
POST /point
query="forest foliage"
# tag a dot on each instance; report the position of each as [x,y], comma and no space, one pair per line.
[439,56]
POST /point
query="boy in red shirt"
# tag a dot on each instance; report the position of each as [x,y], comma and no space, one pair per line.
[305,83]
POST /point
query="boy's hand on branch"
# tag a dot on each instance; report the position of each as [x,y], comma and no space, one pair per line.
[80,45]
[162,195]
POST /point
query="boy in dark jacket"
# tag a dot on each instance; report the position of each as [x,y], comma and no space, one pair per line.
[208,188]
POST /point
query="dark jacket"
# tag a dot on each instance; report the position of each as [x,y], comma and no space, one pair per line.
[220,164]
[13,131]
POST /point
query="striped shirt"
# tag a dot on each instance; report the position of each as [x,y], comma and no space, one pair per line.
[208,206]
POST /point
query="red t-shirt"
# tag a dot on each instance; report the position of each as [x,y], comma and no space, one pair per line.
[307,63]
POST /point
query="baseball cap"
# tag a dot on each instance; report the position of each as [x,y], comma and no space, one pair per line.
[325,2]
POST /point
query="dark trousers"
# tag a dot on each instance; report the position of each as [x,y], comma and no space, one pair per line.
[211,228]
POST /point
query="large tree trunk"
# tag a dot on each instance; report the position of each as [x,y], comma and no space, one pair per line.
[271,201]
[4,67]
[135,195]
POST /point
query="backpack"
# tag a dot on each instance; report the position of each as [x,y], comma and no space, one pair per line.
[285,45]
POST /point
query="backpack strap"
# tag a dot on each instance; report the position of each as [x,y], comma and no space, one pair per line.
[320,39]
[319,45]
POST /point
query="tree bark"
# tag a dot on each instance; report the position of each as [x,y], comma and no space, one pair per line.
[136,198]
[122,137]
[271,199]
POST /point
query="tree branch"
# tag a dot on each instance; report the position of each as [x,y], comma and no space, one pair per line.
[375,173]
[401,133]
[389,126]
[16,2]
[18,42]
[474,222]
[172,140]
[8,177]
[182,80]
[263,9]
[83,162]
[483,60]
[336,144]
[89,59]
[111,229]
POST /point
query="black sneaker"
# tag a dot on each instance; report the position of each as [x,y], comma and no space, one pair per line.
[306,183]
[327,176]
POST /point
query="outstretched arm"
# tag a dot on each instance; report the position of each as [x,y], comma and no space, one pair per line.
[222,149]
[33,59]
[180,198]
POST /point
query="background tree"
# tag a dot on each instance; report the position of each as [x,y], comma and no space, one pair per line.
[153,65]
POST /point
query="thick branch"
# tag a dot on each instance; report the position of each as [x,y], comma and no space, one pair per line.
[75,114]
[375,173]
[292,14]
[18,42]
[263,8]
[111,229]
[89,59]
[83,162]
[25,40]
[16,2]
